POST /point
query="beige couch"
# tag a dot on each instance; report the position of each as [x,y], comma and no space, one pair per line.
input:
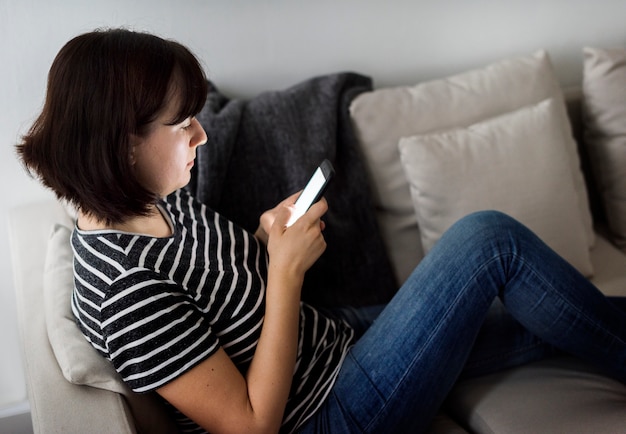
[496,137]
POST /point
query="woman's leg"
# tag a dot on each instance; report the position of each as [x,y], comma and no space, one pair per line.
[397,375]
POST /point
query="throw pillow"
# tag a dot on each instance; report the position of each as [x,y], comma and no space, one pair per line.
[381,117]
[516,163]
[604,108]
[78,360]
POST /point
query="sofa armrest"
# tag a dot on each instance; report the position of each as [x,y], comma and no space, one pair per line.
[56,404]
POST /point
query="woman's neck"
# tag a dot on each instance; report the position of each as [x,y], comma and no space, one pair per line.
[155,224]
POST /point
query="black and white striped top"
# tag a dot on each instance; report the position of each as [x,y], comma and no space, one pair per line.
[156,307]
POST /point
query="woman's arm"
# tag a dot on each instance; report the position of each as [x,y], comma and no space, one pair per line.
[214,393]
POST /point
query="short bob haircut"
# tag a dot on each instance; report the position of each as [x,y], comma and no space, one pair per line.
[103,87]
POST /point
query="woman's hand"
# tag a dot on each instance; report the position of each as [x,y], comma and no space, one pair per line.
[267,218]
[297,247]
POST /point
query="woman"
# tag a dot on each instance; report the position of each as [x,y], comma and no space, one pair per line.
[185,303]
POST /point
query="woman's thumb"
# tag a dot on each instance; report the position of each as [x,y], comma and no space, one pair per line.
[282,217]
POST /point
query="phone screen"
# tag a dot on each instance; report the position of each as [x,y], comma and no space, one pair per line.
[312,191]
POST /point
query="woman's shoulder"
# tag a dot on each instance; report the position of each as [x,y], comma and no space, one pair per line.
[108,256]
[185,209]
[182,203]
[181,198]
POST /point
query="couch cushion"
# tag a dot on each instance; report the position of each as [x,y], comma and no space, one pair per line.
[604,91]
[557,395]
[609,267]
[383,116]
[515,163]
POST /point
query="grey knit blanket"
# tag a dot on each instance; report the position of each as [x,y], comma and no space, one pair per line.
[263,149]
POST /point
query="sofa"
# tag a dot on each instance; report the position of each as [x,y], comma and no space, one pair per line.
[506,136]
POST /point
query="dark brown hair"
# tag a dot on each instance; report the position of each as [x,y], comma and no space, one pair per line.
[104,86]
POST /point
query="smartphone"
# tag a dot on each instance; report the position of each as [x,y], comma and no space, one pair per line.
[313,190]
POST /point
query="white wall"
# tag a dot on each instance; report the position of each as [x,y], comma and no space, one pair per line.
[250,46]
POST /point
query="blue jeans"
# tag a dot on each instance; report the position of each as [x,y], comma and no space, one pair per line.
[489,295]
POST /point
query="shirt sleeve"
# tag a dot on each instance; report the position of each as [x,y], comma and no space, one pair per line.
[153,330]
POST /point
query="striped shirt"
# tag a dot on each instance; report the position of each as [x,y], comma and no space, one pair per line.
[156,307]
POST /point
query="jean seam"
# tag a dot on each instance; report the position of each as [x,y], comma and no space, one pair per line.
[374,386]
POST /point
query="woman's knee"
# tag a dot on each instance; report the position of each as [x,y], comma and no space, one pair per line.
[486,220]
[488,226]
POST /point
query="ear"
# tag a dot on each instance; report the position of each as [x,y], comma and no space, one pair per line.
[135,141]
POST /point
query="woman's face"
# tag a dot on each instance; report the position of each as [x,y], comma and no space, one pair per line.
[163,157]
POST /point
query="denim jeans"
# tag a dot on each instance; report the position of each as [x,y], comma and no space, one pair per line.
[489,295]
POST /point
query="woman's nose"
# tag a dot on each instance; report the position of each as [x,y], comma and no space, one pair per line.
[199,138]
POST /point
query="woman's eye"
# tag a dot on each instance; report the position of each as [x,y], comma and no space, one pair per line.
[187,124]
